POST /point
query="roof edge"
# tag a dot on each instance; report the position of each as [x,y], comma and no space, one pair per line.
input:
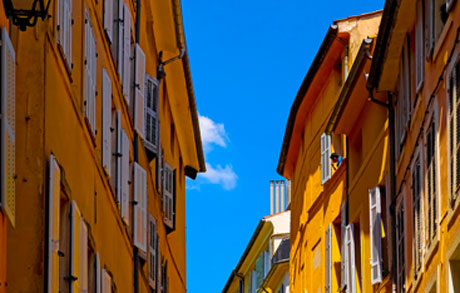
[315,65]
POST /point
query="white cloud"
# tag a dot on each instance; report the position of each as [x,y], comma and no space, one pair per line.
[223,176]
[212,133]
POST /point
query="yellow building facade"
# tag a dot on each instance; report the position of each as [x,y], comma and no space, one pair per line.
[328,159]
[416,64]
[106,130]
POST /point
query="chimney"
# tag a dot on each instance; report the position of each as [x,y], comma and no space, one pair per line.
[277,194]
[282,196]
[288,192]
[271,197]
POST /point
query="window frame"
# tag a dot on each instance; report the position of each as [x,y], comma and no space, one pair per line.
[421,190]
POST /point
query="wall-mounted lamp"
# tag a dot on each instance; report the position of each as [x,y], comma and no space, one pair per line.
[25,13]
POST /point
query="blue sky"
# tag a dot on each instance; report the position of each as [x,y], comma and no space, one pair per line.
[248,59]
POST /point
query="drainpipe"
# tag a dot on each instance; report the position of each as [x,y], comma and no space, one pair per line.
[347,183]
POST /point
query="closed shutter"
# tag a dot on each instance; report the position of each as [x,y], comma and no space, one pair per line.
[126,52]
[90,74]
[119,156]
[417,225]
[106,121]
[168,189]
[400,252]
[455,129]
[83,257]
[159,169]
[75,248]
[328,259]
[375,214]
[64,28]
[139,89]
[108,18]
[106,282]
[8,128]
[152,252]
[125,178]
[120,40]
[140,207]
[343,226]
[325,157]
[53,201]
[152,123]
[350,270]
[419,46]
[97,269]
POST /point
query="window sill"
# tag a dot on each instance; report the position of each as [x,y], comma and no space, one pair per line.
[431,248]
[67,65]
[453,209]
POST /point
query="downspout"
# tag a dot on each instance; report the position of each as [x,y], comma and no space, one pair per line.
[347,183]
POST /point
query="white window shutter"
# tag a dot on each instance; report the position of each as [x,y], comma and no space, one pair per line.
[328,155]
[323,146]
[83,259]
[127,53]
[152,123]
[106,282]
[108,18]
[8,122]
[125,178]
[97,269]
[140,207]
[54,204]
[168,195]
[120,41]
[139,89]
[152,252]
[375,235]
[343,227]
[328,259]
[350,269]
[90,74]
[325,154]
[75,247]
[106,121]
[119,156]
[68,31]
[419,46]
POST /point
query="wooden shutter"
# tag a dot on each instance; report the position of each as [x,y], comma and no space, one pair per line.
[97,269]
[431,23]
[119,156]
[64,28]
[106,282]
[159,169]
[343,226]
[83,257]
[152,123]
[75,248]
[125,178]
[8,129]
[108,18]
[106,121]
[168,189]
[417,215]
[140,207]
[419,46]
[53,202]
[325,157]
[126,52]
[139,89]
[350,270]
[375,224]
[328,259]
[152,252]
[90,73]
[455,129]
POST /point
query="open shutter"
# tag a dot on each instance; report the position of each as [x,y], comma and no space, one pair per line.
[152,123]
[68,31]
[126,52]
[108,18]
[419,46]
[325,154]
[125,176]
[83,257]
[140,207]
[53,202]
[97,269]
[139,89]
[159,169]
[431,23]
[343,227]
[328,259]
[106,121]
[350,270]
[168,190]
[8,121]
[119,156]
[375,214]
[152,252]
[106,282]
[90,73]
[75,248]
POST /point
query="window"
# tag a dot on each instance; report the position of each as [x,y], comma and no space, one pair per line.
[140,208]
[169,189]
[325,157]
[328,259]
[375,222]
[64,28]
[164,277]
[419,46]
[350,277]
[453,115]
[106,122]
[431,184]
[8,121]
[404,96]
[90,77]
[400,247]
[117,33]
[153,252]
[418,225]
[78,251]
[152,122]
[437,17]
[126,55]
[241,287]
